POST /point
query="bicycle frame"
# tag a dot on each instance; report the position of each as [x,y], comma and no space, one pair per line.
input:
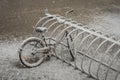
[51,47]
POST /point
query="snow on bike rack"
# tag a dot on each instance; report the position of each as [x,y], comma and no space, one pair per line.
[95,54]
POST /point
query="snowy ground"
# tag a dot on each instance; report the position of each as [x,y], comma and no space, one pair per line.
[17,19]
[12,69]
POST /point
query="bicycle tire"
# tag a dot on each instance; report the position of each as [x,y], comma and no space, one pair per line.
[21,54]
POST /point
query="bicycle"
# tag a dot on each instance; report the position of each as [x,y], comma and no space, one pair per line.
[35,50]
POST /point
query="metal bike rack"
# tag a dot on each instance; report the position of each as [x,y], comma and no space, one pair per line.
[95,54]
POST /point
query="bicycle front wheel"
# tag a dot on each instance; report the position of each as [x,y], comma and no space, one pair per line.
[28,52]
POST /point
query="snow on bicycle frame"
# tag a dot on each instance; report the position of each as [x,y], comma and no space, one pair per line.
[95,54]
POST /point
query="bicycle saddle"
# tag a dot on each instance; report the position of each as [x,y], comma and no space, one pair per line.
[40,29]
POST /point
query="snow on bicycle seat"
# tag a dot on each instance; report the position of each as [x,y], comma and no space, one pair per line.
[40,29]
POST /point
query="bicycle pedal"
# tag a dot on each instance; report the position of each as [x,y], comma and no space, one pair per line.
[47,58]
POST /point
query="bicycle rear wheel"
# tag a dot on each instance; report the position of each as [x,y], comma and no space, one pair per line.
[28,52]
